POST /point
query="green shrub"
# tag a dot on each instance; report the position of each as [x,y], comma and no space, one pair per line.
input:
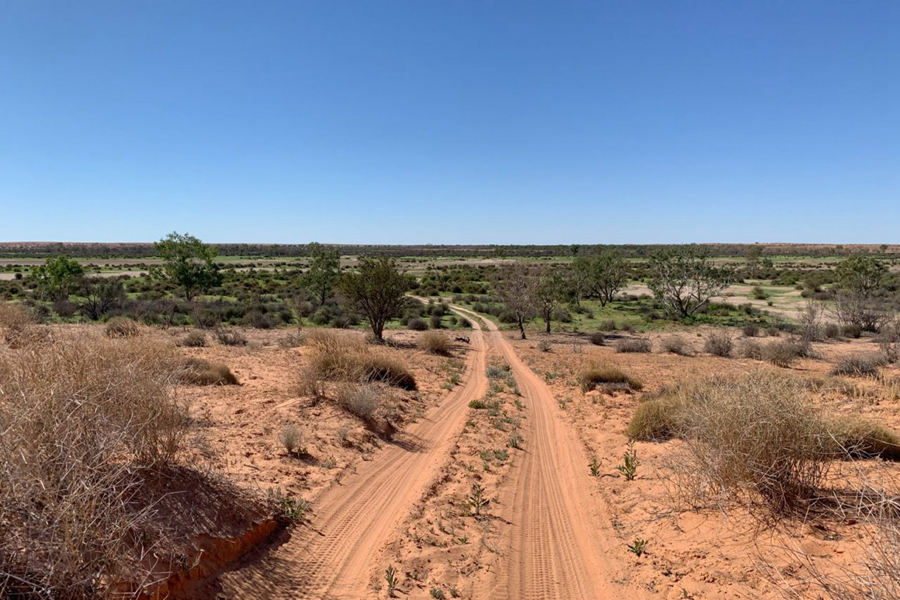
[417,324]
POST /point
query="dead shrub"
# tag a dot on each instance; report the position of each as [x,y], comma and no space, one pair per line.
[195,339]
[633,345]
[227,337]
[751,349]
[783,353]
[675,344]
[291,439]
[82,426]
[858,365]
[595,376]
[197,371]
[719,343]
[597,338]
[435,342]
[755,438]
[17,326]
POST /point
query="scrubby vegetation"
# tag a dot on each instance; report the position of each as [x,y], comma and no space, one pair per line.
[597,376]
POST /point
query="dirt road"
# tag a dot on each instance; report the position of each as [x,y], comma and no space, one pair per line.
[333,556]
[555,545]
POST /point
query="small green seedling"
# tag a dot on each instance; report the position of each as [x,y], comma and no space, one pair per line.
[638,546]
[390,575]
[631,462]
[476,501]
[594,466]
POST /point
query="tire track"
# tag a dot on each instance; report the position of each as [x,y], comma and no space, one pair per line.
[555,547]
[334,557]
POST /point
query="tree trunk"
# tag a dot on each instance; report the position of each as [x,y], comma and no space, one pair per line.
[522,327]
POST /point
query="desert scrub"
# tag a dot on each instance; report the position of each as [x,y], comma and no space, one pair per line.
[859,365]
[858,438]
[782,353]
[719,343]
[360,401]
[675,344]
[598,375]
[633,345]
[435,342]
[121,327]
[291,439]
[83,424]
[195,339]
[197,371]
[658,419]
[597,338]
[754,438]
[340,357]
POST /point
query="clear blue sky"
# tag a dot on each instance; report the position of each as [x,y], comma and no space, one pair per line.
[389,121]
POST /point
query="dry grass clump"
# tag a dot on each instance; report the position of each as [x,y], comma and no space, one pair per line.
[597,338]
[858,438]
[675,344]
[18,328]
[195,339]
[359,400]
[82,424]
[755,438]
[658,419]
[633,345]
[197,371]
[340,357]
[291,439]
[751,349]
[120,327]
[858,365]
[435,342]
[719,343]
[598,375]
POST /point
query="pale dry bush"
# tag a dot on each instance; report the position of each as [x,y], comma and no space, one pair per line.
[83,421]
[18,329]
[756,439]
[118,327]
[359,400]
[435,342]
[340,357]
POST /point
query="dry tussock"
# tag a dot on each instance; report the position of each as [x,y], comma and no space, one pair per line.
[599,375]
[82,422]
[435,342]
[197,371]
[120,327]
[340,357]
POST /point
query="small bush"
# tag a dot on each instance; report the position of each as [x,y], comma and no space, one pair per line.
[197,371]
[120,327]
[230,338]
[383,368]
[608,325]
[851,330]
[545,346]
[783,353]
[291,439]
[65,308]
[860,365]
[719,343]
[195,339]
[417,324]
[750,330]
[597,338]
[633,345]
[832,331]
[497,372]
[590,378]
[675,344]
[435,342]
[436,322]
[751,349]
[359,400]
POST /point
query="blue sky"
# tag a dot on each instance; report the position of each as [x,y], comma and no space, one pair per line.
[450,122]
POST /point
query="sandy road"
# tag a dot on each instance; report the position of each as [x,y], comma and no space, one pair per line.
[555,545]
[334,556]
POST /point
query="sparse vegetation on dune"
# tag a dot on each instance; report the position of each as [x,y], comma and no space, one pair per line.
[601,375]
[197,371]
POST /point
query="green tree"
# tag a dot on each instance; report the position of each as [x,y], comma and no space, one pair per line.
[58,277]
[607,273]
[187,263]
[860,274]
[857,301]
[377,289]
[324,268]
[549,292]
[684,280]
[101,295]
